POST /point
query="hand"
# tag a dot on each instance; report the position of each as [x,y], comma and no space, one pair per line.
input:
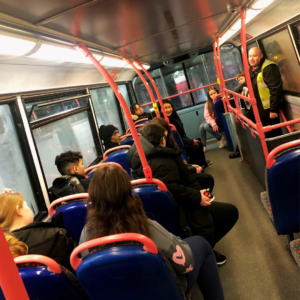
[205,201]
[7,191]
[196,142]
[198,168]
[273,115]
[215,128]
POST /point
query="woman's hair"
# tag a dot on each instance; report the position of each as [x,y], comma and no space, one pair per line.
[8,205]
[210,104]
[132,108]
[16,247]
[113,207]
[153,133]
[163,123]
[174,113]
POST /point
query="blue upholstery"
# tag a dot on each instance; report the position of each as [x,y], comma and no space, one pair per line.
[180,144]
[127,141]
[127,273]
[159,206]
[120,157]
[42,284]
[219,111]
[283,186]
[142,123]
[74,213]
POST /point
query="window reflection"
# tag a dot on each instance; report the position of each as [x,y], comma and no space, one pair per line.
[123,90]
[279,49]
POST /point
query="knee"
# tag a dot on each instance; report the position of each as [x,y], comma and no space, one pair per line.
[202,126]
[206,126]
[233,212]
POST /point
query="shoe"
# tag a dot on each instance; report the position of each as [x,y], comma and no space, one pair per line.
[204,149]
[220,258]
[208,162]
[222,142]
[234,155]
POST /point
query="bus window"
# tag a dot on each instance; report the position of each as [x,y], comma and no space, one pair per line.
[123,90]
[105,105]
[13,172]
[279,49]
[72,133]
[296,33]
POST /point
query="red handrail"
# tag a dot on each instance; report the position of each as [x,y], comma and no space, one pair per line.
[127,135]
[270,159]
[51,210]
[10,280]
[145,83]
[289,129]
[155,88]
[149,245]
[173,127]
[141,120]
[102,164]
[87,53]
[161,186]
[52,265]
[137,126]
[114,149]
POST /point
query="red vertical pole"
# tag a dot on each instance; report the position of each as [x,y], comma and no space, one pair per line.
[249,84]
[146,168]
[155,88]
[11,283]
[145,83]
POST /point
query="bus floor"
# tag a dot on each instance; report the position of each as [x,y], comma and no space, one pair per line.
[259,266]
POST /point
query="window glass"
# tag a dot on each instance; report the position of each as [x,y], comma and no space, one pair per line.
[124,93]
[176,83]
[198,77]
[296,31]
[106,108]
[279,48]
[72,133]
[209,62]
[13,173]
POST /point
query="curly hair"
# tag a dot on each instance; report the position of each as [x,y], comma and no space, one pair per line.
[64,160]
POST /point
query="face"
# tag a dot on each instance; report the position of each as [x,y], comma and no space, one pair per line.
[115,138]
[241,79]
[168,109]
[163,141]
[138,110]
[212,94]
[26,213]
[255,57]
[79,169]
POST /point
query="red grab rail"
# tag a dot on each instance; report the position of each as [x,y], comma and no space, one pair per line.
[102,164]
[87,53]
[149,245]
[137,126]
[127,135]
[114,149]
[52,265]
[161,186]
[141,120]
[52,211]
[270,159]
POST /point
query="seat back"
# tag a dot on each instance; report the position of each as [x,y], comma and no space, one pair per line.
[118,155]
[180,144]
[283,179]
[45,282]
[142,122]
[126,272]
[127,141]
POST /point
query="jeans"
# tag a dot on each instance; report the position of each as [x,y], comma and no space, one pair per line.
[206,127]
[205,271]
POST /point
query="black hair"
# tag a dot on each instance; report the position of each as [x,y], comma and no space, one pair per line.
[132,108]
[174,112]
[63,161]
[153,133]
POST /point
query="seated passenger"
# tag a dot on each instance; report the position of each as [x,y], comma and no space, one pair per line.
[212,220]
[70,163]
[115,210]
[137,113]
[109,134]
[16,247]
[48,239]
[210,124]
[194,148]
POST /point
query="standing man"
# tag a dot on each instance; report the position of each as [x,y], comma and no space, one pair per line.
[267,88]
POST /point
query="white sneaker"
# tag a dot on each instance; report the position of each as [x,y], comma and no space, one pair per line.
[222,142]
[205,149]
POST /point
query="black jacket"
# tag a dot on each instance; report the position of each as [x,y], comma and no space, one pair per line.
[108,145]
[167,166]
[145,115]
[272,79]
[179,127]
[84,181]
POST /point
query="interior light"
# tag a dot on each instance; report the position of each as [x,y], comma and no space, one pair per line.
[146,66]
[15,46]
[55,53]
[261,4]
[227,36]
[113,62]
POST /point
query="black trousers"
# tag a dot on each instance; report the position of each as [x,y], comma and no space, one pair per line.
[196,154]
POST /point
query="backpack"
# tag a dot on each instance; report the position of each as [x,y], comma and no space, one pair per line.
[65,186]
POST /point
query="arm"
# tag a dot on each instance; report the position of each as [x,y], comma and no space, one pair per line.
[272,79]
[208,117]
[240,87]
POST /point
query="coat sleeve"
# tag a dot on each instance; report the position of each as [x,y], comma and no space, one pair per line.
[240,87]
[208,117]
[272,78]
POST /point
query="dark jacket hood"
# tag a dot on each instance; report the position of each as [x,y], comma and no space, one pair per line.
[150,151]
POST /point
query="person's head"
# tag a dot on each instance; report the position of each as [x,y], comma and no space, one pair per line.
[16,247]
[14,211]
[109,133]
[241,77]
[255,56]
[155,134]
[211,94]
[171,143]
[169,108]
[113,207]
[70,162]
[136,109]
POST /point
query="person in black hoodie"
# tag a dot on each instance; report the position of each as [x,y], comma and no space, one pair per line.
[211,220]
[137,113]
[109,134]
